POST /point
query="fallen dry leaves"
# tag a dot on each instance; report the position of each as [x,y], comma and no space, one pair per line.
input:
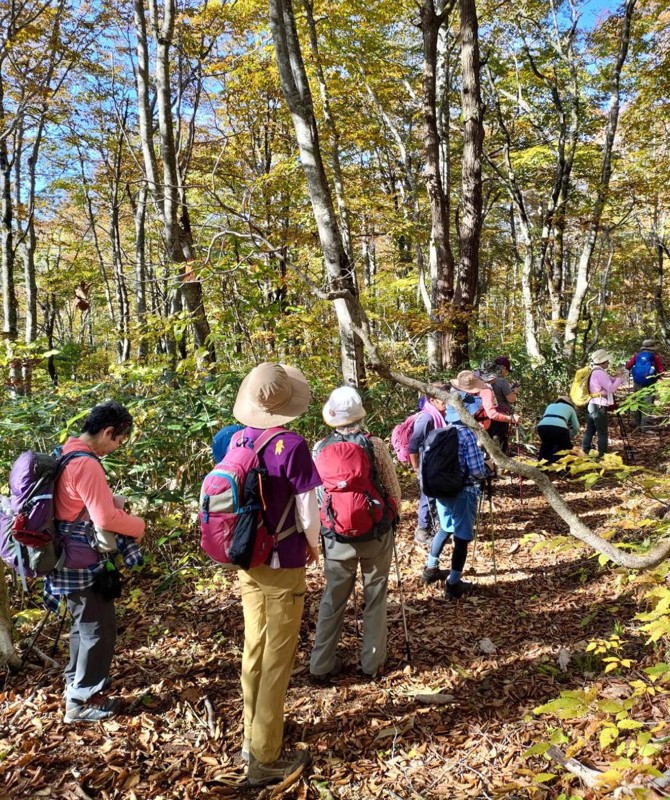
[453,723]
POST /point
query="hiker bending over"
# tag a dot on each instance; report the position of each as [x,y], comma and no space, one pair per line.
[645,368]
[359,503]
[558,425]
[83,502]
[430,417]
[602,387]
[273,594]
[458,513]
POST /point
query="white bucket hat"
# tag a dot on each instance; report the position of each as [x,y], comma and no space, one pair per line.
[600,357]
[271,394]
[343,407]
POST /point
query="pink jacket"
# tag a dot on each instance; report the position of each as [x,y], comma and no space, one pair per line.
[491,407]
[83,484]
[604,386]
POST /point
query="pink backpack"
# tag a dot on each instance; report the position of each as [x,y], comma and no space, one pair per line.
[232,502]
[400,437]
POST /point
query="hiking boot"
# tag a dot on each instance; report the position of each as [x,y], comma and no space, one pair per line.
[261,774]
[95,709]
[373,676]
[326,676]
[434,574]
[422,536]
[454,591]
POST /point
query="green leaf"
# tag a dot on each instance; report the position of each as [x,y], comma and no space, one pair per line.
[607,736]
[538,749]
[629,725]
[544,777]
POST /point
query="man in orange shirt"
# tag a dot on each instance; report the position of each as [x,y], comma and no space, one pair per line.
[84,503]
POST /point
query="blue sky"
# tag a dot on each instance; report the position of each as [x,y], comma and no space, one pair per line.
[594,10]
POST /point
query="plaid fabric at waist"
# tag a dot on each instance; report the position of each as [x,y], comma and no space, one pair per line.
[66,580]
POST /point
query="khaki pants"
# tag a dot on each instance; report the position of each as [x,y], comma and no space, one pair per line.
[340,565]
[272,601]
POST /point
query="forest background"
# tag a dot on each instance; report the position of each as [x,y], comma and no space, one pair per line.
[190,188]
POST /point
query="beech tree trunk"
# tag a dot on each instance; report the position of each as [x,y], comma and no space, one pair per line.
[471,186]
[441,258]
[167,190]
[9,304]
[339,268]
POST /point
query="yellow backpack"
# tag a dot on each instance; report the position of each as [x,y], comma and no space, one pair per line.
[579,391]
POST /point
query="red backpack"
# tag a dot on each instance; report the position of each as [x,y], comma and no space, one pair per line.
[233,527]
[400,437]
[355,506]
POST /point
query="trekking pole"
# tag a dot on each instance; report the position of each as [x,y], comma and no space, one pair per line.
[489,492]
[60,630]
[408,649]
[629,455]
[477,519]
[358,627]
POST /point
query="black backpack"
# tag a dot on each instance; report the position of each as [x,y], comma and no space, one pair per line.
[440,471]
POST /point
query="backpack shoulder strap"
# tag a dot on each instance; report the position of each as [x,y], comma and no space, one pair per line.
[332,438]
[265,438]
[65,459]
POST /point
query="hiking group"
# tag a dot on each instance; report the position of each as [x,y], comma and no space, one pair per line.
[265,508]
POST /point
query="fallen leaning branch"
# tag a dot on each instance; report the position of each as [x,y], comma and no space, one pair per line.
[595,779]
[576,527]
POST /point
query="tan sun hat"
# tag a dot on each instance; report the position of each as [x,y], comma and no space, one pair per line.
[565,399]
[600,356]
[343,407]
[650,344]
[271,394]
[467,381]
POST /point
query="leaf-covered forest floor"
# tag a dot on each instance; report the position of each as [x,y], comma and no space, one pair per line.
[178,662]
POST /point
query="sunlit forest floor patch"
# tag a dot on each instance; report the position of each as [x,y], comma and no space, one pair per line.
[488,661]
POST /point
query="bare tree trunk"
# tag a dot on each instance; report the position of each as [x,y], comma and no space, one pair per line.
[139,207]
[583,268]
[441,258]
[471,180]
[339,269]
[168,193]
[659,303]
[9,304]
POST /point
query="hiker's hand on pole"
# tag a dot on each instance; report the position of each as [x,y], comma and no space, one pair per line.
[515,419]
[312,555]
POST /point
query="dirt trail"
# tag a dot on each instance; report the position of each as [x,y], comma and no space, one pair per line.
[178,672]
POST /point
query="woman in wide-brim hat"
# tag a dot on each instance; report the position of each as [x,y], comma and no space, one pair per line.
[273,593]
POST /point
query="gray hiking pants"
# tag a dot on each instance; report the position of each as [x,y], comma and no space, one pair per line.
[92,641]
[341,568]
